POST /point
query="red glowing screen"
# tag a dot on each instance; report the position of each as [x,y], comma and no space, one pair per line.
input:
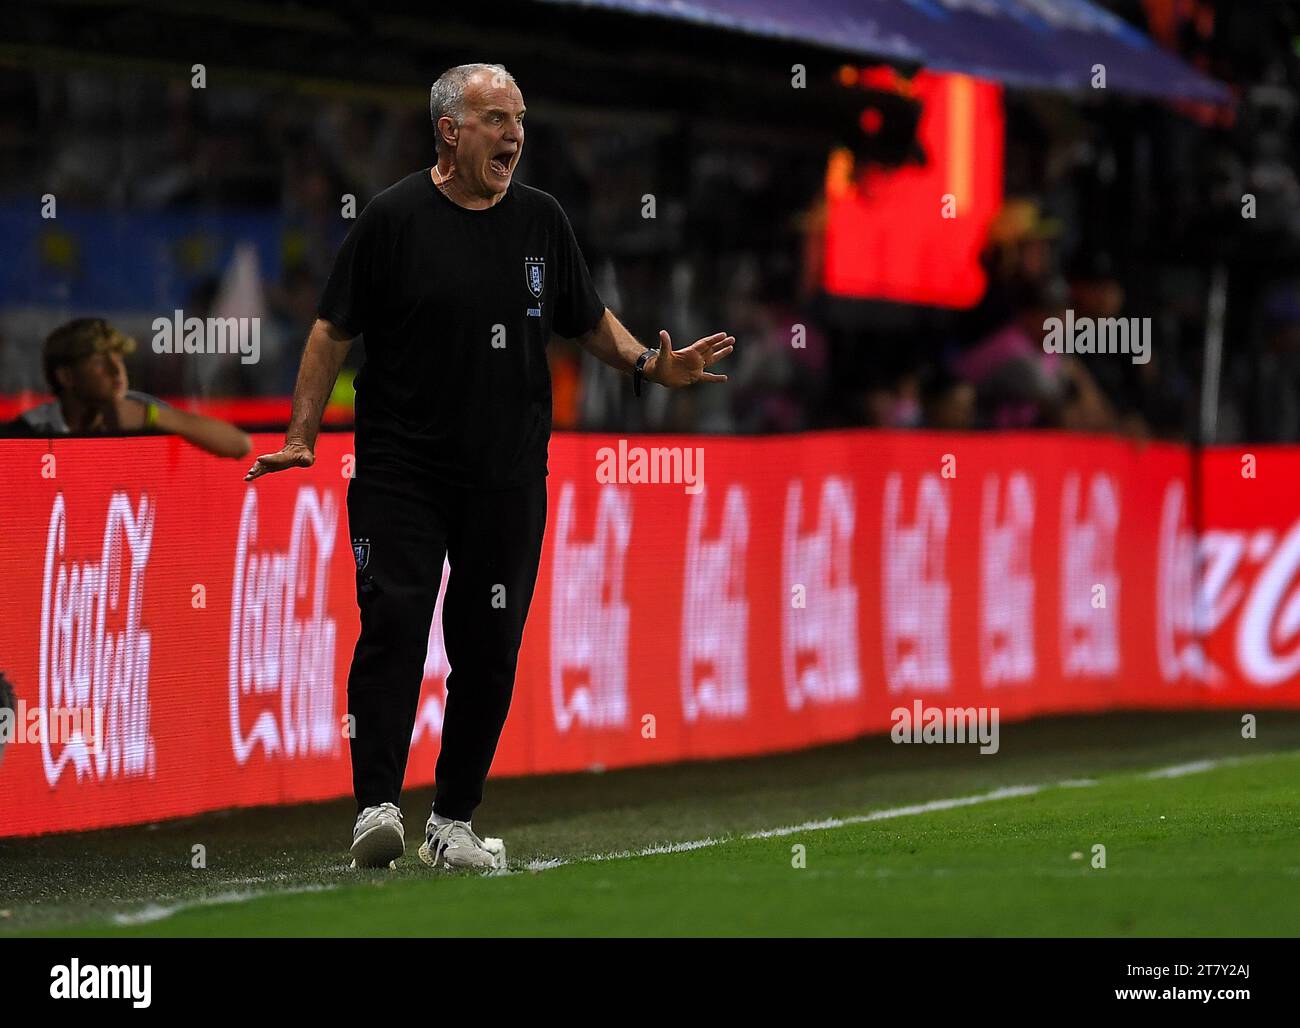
[913,234]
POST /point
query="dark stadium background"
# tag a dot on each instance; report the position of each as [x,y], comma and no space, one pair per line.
[157,183]
[1123,201]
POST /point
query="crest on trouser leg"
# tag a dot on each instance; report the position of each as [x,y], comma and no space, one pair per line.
[361,552]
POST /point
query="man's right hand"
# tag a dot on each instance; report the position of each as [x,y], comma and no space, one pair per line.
[326,347]
[293,455]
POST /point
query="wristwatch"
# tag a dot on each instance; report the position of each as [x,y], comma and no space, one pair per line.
[639,372]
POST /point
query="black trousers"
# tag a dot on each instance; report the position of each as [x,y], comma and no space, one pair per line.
[402,526]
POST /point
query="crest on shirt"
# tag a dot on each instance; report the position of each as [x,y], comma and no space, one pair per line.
[535,274]
[361,552]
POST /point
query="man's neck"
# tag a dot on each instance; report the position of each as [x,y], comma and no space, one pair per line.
[444,178]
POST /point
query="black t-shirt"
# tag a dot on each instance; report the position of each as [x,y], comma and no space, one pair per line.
[456,306]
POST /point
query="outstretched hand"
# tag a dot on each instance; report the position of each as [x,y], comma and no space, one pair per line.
[293,455]
[676,368]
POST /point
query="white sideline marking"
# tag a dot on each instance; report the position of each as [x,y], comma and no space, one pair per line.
[545,865]
[1007,792]
[883,815]
[282,876]
[1178,770]
[157,912]
[659,847]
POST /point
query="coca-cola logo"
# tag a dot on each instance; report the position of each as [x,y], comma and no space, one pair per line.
[819,622]
[715,611]
[1268,650]
[94,648]
[1090,582]
[1007,581]
[1179,647]
[1203,583]
[589,615]
[916,601]
[281,638]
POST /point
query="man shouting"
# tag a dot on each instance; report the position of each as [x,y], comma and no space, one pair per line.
[456,276]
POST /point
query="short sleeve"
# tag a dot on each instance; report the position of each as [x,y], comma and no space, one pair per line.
[146,398]
[578,307]
[347,296]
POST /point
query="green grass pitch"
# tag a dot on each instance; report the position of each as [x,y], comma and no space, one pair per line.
[1210,851]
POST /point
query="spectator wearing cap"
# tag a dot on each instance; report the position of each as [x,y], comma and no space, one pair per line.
[83,365]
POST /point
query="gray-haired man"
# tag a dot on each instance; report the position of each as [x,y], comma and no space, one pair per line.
[457,277]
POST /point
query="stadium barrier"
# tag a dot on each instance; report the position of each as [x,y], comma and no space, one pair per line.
[811,587]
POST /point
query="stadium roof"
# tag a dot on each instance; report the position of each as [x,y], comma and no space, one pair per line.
[1043,44]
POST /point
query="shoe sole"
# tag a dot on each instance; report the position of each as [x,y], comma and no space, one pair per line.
[380,847]
[427,856]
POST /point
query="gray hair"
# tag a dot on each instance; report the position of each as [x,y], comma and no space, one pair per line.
[447,97]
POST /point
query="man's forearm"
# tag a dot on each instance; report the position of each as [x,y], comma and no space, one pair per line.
[612,344]
[211,434]
[321,360]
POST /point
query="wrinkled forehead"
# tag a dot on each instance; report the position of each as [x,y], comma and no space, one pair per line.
[491,90]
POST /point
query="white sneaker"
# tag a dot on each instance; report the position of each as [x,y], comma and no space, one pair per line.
[454,844]
[379,838]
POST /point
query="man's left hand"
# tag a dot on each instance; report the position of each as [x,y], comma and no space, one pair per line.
[676,368]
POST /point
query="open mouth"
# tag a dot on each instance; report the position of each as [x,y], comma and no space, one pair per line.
[502,162]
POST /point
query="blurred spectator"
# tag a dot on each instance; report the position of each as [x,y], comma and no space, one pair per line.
[83,366]
[1277,389]
[1018,258]
[293,312]
[1017,384]
[948,402]
[1134,202]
